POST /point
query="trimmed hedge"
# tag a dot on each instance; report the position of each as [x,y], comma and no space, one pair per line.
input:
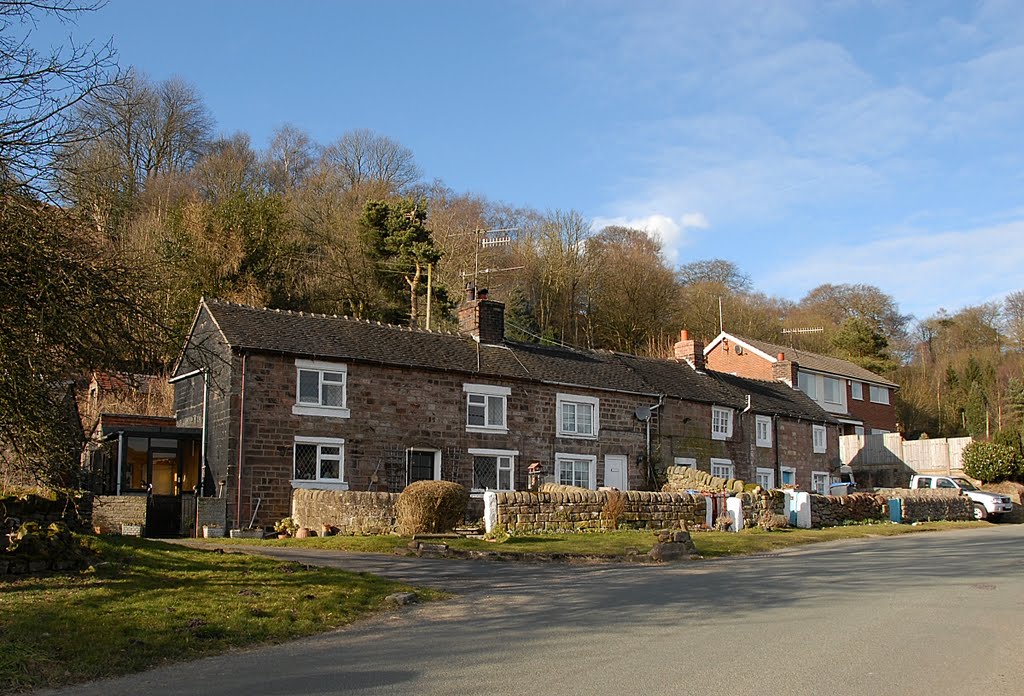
[429,507]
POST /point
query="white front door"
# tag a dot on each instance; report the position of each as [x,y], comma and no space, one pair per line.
[616,474]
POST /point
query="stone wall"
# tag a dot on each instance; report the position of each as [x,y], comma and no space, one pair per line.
[352,512]
[834,510]
[109,512]
[755,505]
[585,510]
[19,509]
[212,512]
[681,478]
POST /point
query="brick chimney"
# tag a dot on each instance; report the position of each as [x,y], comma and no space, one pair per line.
[690,350]
[785,370]
[481,318]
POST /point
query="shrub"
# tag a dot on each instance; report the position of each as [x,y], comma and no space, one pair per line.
[614,506]
[770,521]
[991,461]
[426,507]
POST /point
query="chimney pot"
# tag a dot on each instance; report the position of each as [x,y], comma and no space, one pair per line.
[684,335]
[781,357]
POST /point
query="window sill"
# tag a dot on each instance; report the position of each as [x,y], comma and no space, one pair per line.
[320,485]
[576,436]
[719,436]
[765,445]
[326,411]
[486,429]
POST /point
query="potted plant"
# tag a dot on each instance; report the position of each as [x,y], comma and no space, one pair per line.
[285,528]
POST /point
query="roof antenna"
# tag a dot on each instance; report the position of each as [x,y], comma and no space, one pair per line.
[721,321]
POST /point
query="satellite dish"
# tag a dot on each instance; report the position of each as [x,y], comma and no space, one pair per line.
[642,413]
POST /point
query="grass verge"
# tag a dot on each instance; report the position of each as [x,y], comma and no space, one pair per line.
[621,543]
[145,603]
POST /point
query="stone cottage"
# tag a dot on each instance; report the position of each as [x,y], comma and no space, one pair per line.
[293,400]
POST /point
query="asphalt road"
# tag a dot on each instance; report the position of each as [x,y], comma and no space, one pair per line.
[937,613]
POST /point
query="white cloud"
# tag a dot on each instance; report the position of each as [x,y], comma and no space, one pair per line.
[922,269]
[667,230]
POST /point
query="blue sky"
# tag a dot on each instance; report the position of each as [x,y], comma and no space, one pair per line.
[809,142]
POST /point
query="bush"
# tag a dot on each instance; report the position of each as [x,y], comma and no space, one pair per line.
[991,461]
[427,507]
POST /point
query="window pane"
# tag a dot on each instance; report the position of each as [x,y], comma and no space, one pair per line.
[485,472]
[788,477]
[569,418]
[135,472]
[832,390]
[504,480]
[496,411]
[334,394]
[305,462]
[475,410]
[330,468]
[421,466]
[585,419]
[309,387]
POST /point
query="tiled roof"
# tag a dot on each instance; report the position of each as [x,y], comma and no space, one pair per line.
[319,336]
[818,362]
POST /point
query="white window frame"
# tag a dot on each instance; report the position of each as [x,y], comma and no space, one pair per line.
[308,408]
[687,462]
[725,466]
[819,439]
[577,401]
[509,466]
[819,475]
[825,381]
[763,431]
[437,461]
[488,392]
[720,414]
[767,474]
[879,395]
[857,390]
[879,431]
[783,470]
[562,458]
[338,484]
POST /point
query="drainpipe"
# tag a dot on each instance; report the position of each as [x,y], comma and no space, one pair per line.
[241,432]
[775,442]
[120,459]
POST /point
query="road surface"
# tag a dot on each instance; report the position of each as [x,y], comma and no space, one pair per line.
[931,614]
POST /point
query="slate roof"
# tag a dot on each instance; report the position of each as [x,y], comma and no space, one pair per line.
[319,336]
[818,362]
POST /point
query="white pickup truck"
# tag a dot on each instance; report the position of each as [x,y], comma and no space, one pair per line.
[986,505]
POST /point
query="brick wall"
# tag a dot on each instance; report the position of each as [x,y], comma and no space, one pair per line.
[747,364]
[583,510]
[881,416]
[352,512]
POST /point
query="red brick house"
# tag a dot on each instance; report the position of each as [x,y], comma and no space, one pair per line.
[298,400]
[859,399]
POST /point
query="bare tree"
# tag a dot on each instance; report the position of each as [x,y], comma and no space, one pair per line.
[39,90]
[363,157]
[289,159]
[130,133]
